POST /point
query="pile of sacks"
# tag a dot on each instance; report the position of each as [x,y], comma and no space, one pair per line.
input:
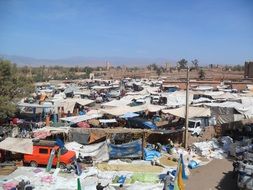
[209,149]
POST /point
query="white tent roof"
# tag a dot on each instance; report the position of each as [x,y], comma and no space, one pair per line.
[100,87]
[193,112]
[121,110]
[70,103]
[177,98]
[154,108]
[91,112]
[123,101]
[19,145]
[76,119]
[245,109]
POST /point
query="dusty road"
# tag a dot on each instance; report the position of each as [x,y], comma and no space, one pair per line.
[217,175]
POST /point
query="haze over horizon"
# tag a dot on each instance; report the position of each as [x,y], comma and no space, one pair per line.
[212,31]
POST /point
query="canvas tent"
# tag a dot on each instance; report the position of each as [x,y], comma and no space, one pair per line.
[69,103]
[19,145]
[98,151]
[193,112]
[118,111]
[177,98]
[76,119]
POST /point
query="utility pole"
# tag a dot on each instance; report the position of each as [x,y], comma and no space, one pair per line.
[186,110]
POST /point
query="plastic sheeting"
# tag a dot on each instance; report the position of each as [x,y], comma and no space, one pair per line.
[82,138]
[209,149]
[107,121]
[70,103]
[98,151]
[76,119]
[117,111]
[127,150]
[129,115]
[193,112]
[151,154]
[223,114]
[25,146]
[177,98]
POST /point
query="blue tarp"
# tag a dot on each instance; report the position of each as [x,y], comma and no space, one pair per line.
[150,125]
[129,115]
[127,150]
[151,154]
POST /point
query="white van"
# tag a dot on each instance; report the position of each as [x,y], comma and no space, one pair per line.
[195,127]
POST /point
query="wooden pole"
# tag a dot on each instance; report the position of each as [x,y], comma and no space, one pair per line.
[143,145]
[186,110]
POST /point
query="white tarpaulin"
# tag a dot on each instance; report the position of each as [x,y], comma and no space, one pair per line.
[98,152]
[76,119]
[100,87]
[123,101]
[18,145]
[193,112]
[177,98]
[154,108]
[70,103]
[107,120]
[118,111]
[244,109]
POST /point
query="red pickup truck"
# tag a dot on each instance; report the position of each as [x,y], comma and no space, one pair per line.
[41,154]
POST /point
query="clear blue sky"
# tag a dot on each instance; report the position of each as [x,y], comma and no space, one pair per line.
[213,31]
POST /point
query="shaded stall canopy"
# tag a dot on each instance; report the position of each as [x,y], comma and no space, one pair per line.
[121,110]
[123,101]
[193,112]
[218,95]
[228,112]
[69,104]
[155,108]
[98,151]
[76,119]
[84,137]
[177,98]
[118,111]
[19,145]
[244,109]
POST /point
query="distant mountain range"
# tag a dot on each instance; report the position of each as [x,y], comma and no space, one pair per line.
[84,61]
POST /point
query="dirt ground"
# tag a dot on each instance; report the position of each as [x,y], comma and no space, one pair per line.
[215,175]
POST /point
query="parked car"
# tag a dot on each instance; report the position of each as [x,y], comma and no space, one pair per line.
[41,154]
[195,127]
[140,123]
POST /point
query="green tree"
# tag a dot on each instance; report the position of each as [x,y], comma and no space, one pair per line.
[152,67]
[202,74]
[195,64]
[13,86]
[182,63]
[238,68]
